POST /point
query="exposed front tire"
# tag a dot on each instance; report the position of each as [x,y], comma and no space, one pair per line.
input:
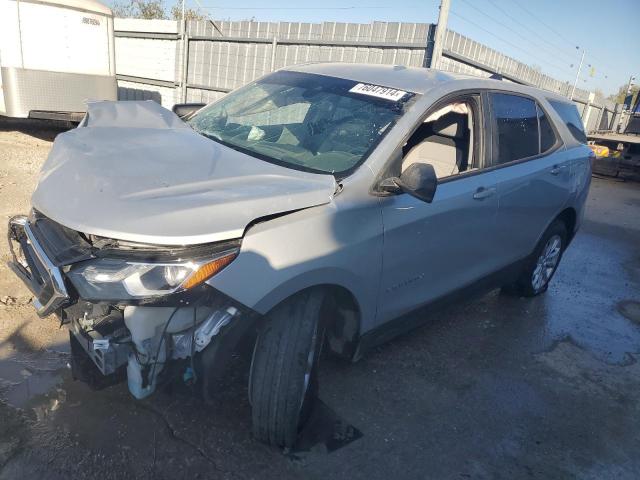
[283,381]
[542,264]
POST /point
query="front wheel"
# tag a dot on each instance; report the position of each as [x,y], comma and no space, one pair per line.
[283,381]
[543,263]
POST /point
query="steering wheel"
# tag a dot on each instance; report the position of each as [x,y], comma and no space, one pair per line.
[357,127]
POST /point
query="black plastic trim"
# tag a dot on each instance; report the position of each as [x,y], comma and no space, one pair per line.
[418,317]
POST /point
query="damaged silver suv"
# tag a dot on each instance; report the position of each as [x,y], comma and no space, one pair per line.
[305,212]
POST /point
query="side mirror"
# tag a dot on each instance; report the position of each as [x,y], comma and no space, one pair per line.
[418,180]
[184,110]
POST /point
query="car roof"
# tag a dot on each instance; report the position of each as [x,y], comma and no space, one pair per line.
[414,79]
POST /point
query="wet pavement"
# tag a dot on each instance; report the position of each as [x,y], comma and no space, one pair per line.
[498,387]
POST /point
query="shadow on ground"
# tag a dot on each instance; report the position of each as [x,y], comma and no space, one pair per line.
[41,129]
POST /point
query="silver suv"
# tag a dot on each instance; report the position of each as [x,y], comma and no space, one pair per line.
[305,212]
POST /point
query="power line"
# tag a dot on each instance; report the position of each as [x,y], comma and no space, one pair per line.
[215,25]
[502,39]
[543,23]
[353,7]
[553,30]
[537,34]
[510,29]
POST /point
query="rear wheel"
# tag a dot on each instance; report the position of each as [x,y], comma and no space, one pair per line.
[543,263]
[283,383]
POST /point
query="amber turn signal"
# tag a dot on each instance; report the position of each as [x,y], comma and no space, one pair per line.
[208,270]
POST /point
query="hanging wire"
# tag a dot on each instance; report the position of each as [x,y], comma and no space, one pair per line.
[515,32]
[505,40]
[554,31]
[556,49]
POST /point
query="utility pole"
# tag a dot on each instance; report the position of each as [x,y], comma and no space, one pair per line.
[441,29]
[628,91]
[622,113]
[577,75]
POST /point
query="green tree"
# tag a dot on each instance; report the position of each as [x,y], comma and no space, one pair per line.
[622,93]
[144,9]
[189,13]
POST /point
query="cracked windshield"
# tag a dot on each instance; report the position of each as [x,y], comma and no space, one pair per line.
[302,121]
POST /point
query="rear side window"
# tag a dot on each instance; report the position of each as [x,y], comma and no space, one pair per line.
[516,121]
[570,116]
[547,134]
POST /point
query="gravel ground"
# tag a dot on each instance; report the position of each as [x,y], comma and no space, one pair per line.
[497,388]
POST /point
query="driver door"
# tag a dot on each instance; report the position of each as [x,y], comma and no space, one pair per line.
[432,249]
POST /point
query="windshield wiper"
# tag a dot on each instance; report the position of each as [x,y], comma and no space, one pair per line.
[261,156]
[233,146]
[210,136]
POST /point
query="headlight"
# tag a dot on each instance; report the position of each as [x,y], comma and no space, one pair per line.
[121,279]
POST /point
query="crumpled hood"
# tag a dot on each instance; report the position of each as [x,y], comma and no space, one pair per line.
[136,172]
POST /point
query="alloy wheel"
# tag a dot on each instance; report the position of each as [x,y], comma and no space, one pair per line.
[546,263]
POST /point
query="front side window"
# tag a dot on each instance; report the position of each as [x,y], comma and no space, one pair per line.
[570,116]
[516,127]
[304,121]
[445,140]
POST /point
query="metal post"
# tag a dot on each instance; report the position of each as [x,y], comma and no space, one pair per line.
[185,63]
[587,110]
[274,46]
[441,29]
[577,75]
[112,46]
[626,92]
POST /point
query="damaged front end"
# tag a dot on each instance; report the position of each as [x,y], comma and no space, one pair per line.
[131,308]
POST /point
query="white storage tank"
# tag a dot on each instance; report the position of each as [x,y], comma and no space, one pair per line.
[54,56]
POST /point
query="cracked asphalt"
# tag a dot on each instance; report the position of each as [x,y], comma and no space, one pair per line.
[495,388]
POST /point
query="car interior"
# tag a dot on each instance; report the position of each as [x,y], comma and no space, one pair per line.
[317,129]
[444,140]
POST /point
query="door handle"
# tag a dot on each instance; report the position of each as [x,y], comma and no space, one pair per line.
[557,169]
[483,193]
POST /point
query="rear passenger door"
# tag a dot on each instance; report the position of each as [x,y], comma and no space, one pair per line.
[534,175]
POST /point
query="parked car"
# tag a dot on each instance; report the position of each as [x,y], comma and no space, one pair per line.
[309,210]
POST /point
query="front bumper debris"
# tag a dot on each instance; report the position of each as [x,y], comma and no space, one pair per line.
[104,340]
[32,265]
[110,340]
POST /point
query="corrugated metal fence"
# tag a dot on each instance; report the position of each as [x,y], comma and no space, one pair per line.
[149,57]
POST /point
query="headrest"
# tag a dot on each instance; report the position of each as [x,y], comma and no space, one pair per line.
[453,125]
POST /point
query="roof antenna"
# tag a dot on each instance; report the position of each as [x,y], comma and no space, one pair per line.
[496,76]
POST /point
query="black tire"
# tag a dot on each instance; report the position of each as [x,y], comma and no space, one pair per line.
[525,286]
[288,347]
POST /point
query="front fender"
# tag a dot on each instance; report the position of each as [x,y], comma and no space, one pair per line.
[325,245]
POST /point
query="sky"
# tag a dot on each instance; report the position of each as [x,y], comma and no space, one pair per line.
[543,33]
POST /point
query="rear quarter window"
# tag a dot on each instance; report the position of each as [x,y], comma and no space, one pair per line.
[547,134]
[570,116]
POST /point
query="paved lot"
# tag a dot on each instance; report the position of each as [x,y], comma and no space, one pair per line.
[495,388]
